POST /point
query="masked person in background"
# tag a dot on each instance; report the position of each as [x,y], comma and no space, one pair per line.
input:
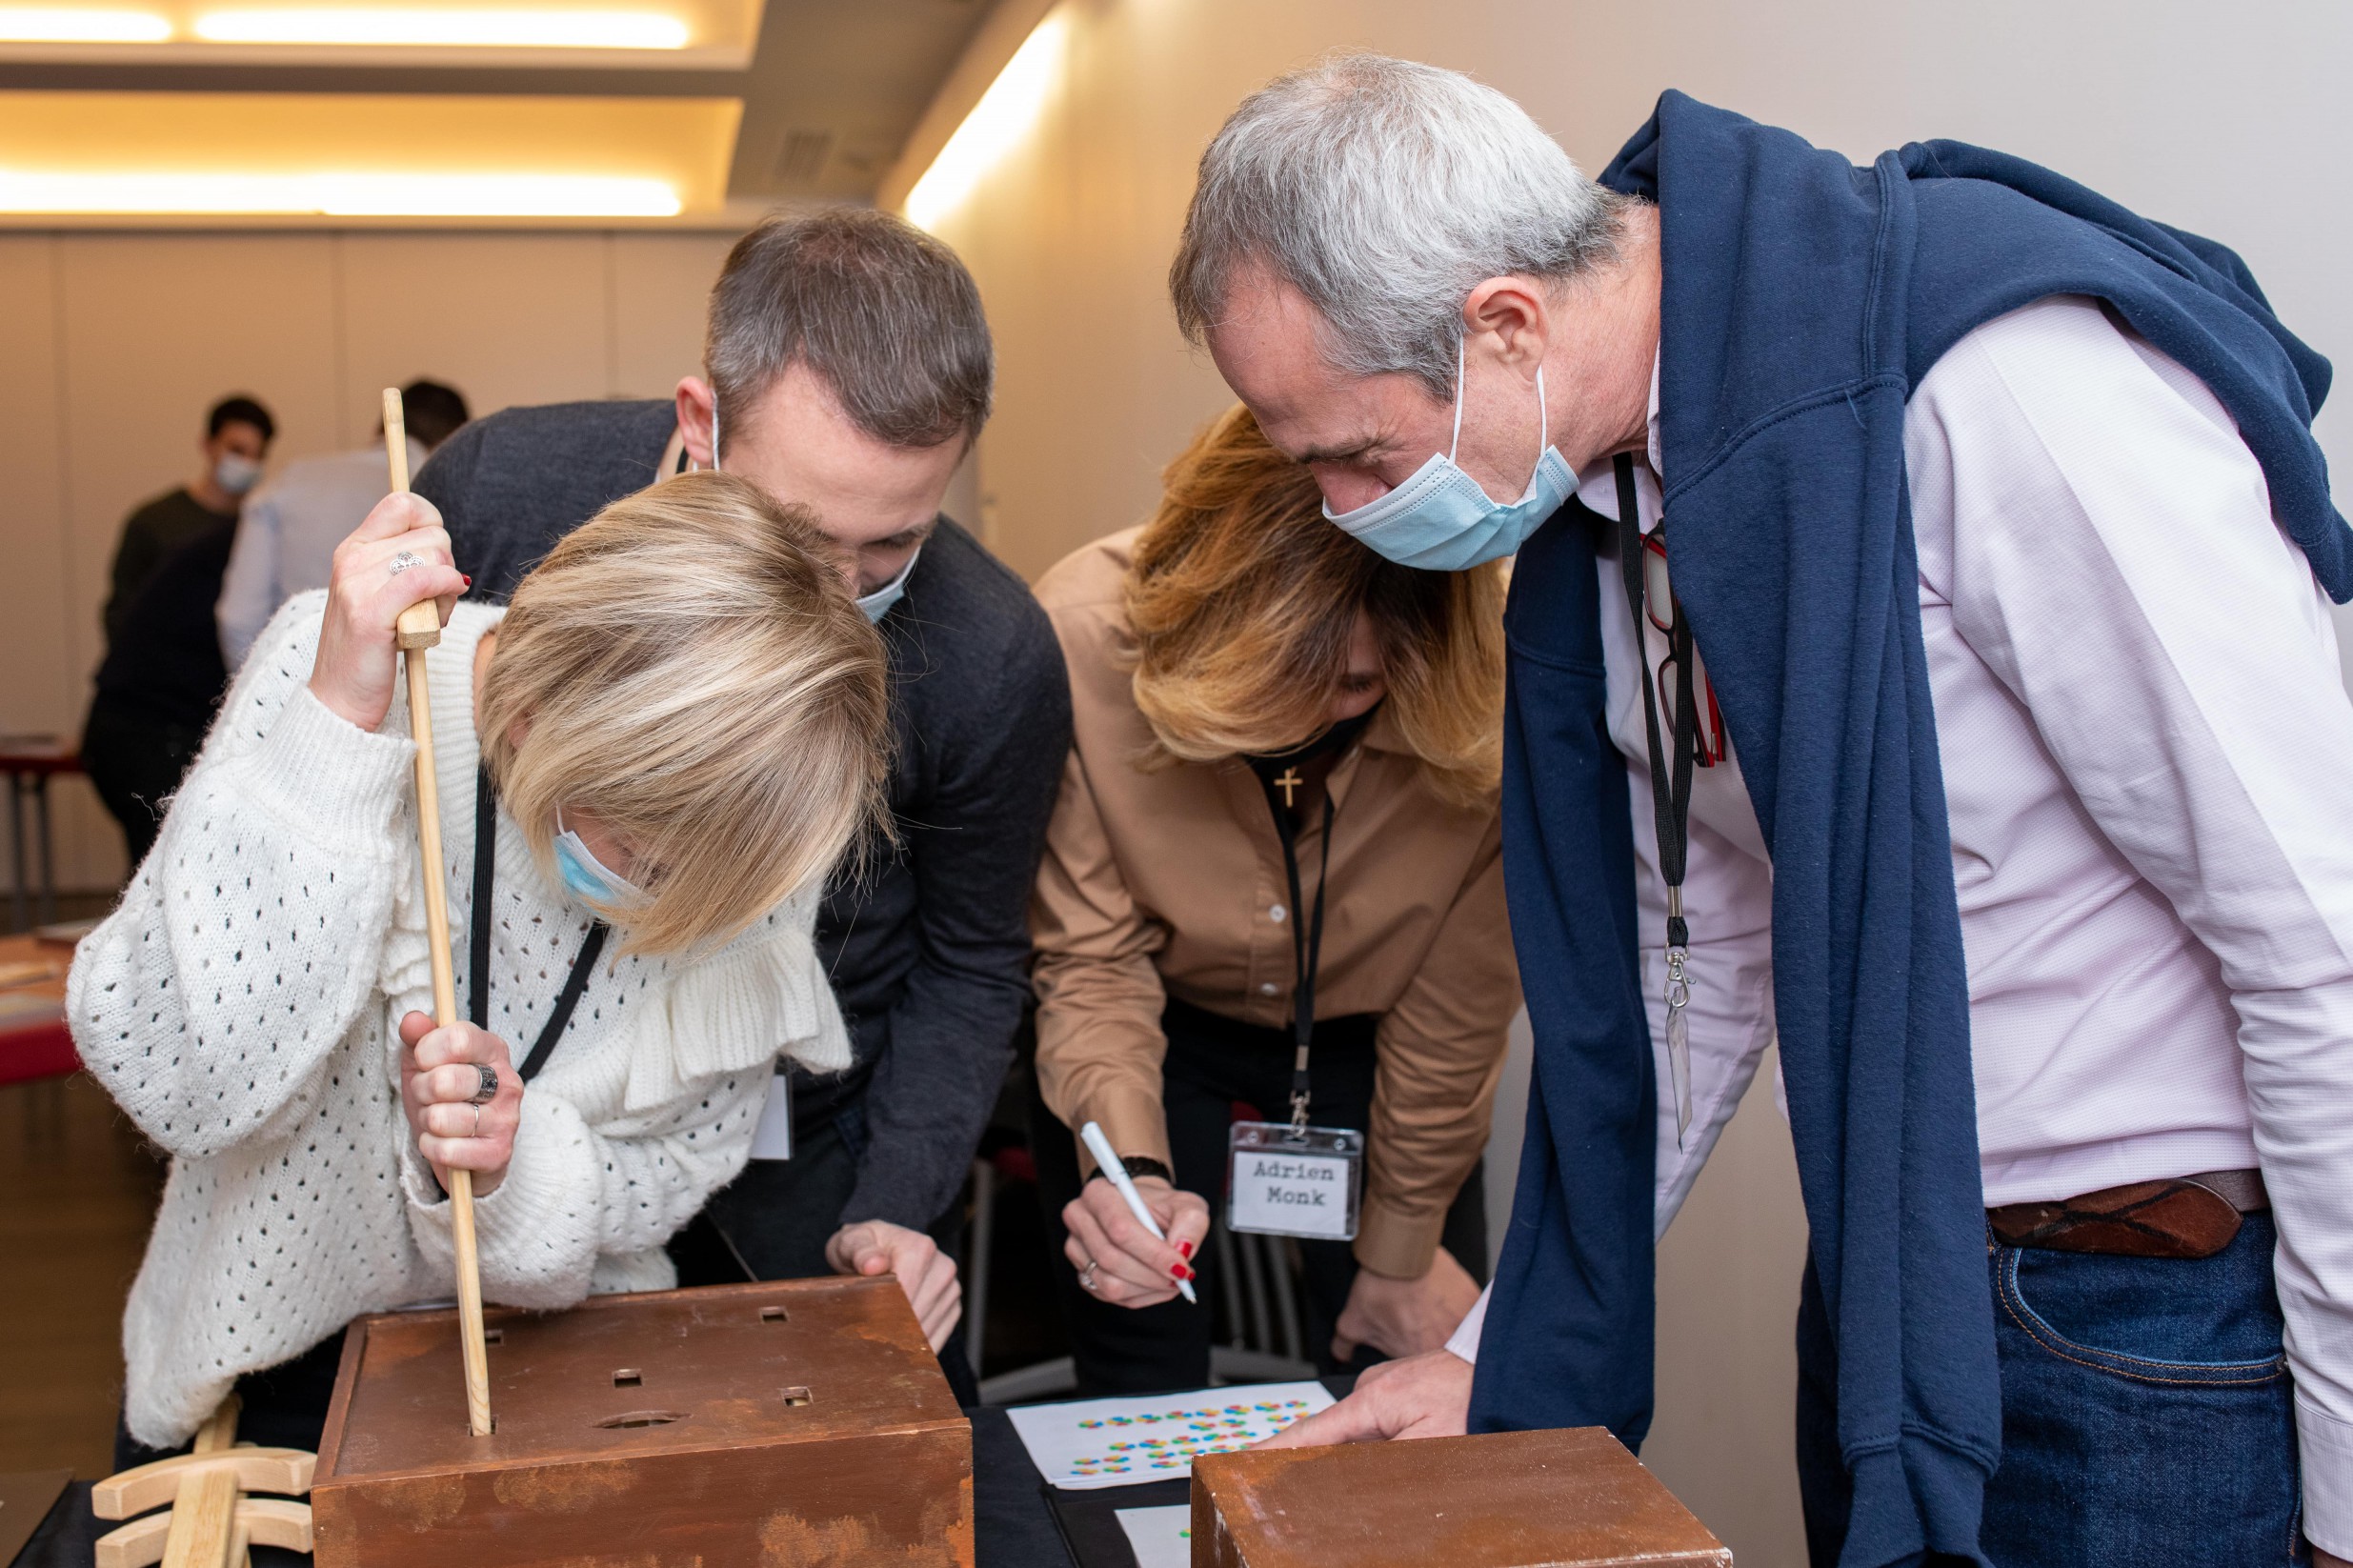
[1272,879]
[163,672]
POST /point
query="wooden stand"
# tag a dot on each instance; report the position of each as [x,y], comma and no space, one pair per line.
[1572,1498]
[803,1421]
[211,1523]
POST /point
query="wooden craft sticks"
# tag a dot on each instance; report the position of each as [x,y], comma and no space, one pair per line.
[418,628]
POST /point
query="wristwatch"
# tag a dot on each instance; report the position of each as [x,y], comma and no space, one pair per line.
[1142,1165]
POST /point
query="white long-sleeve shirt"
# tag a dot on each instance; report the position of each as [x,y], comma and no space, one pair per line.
[242,1006]
[2145,741]
[287,533]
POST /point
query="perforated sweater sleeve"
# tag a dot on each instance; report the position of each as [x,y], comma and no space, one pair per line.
[209,1002]
[576,1193]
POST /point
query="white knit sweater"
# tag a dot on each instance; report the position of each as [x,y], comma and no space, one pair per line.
[241,1006]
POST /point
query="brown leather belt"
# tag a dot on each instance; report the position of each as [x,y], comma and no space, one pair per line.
[2187,1217]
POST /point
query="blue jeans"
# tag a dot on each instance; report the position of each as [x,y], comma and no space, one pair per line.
[2148,1416]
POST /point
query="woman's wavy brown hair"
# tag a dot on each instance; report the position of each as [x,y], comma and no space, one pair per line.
[1243,599]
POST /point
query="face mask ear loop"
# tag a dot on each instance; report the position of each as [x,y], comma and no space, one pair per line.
[715,430]
[1543,427]
[1456,445]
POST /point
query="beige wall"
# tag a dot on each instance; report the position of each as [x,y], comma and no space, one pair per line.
[2232,121]
[116,344]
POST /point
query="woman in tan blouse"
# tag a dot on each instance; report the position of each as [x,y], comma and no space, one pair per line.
[1242,672]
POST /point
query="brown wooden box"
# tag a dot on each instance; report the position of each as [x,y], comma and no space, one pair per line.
[793,1423]
[1571,1499]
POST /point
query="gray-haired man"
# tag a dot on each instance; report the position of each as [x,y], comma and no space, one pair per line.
[2001,527]
[848,370]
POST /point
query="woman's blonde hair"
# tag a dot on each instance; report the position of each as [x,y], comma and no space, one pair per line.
[1243,598]
[689,666]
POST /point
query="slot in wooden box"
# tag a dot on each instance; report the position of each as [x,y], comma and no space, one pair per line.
[797,1422]
[1568,1499]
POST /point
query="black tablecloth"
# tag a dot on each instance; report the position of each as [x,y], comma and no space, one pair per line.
[1011,1525]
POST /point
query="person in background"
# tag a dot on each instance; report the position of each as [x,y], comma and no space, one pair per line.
[847,370]
[1281,796]
[289,527]
[163,675]
[237,434]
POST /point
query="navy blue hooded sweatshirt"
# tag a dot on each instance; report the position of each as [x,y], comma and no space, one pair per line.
[1802,299]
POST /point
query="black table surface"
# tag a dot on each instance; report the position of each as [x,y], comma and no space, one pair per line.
[1012,1526]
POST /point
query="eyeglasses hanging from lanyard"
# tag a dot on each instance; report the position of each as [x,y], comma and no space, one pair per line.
[1696,728]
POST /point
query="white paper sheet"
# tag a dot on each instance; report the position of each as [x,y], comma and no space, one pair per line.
[1160,1538]
[1089,1443]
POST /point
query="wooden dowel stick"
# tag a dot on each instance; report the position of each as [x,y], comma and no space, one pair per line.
[418,628]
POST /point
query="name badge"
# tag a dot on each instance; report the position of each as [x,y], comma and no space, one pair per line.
[1304,1182]
[773,1138]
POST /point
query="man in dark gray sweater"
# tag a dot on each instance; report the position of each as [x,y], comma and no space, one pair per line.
[848,370]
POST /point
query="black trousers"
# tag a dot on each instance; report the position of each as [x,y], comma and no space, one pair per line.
[1213,1065]
[134,761]
[773,1221]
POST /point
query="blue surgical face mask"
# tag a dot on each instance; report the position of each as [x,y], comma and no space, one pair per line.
[235,473]
[878,604]
[1441,520]
[589,878]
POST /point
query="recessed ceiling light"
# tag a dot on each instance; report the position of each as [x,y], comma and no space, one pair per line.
[482,28]
[74,25]
[423,195]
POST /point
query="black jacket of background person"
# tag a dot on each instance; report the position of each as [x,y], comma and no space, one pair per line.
[163,660]
[928,947]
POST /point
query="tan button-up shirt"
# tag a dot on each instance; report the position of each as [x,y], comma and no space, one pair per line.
[1170,882]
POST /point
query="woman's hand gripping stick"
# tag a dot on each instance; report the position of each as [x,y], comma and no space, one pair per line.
[418,628]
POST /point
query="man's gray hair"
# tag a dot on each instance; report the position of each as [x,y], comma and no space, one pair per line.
[883,314]
[1384,191]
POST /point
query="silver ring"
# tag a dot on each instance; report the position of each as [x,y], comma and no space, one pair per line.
[477,1123]
[489,1090]
[406,559]
[1086,1278]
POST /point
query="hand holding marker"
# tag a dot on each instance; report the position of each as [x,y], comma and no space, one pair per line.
[1117,1174]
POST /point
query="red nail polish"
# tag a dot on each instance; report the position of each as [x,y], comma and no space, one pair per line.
[1176,1269]
[468,580]
[1184,1249]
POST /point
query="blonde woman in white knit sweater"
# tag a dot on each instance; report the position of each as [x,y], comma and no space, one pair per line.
[682,716]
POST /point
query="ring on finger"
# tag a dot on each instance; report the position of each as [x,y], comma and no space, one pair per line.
[406,559]
[477,1122]
[1086,1278]
[489,1089]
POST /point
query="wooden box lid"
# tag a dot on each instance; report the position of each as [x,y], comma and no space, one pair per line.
[1568,1499]
[636,1378]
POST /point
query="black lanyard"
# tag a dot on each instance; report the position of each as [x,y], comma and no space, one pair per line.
[478,978]
[1670,801]
[1306,930]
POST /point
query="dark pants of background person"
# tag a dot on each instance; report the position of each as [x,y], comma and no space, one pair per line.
[2147,1415]
[773,1221]
[1213,1063]
[135,761]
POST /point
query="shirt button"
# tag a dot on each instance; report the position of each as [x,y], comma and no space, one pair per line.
[1275,913]
[1266,988]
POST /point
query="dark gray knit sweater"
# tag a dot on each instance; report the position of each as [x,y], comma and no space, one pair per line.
[928,947]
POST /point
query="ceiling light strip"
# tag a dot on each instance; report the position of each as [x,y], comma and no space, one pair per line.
[334,194]
[78,25]
[995,125]
[445,27]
